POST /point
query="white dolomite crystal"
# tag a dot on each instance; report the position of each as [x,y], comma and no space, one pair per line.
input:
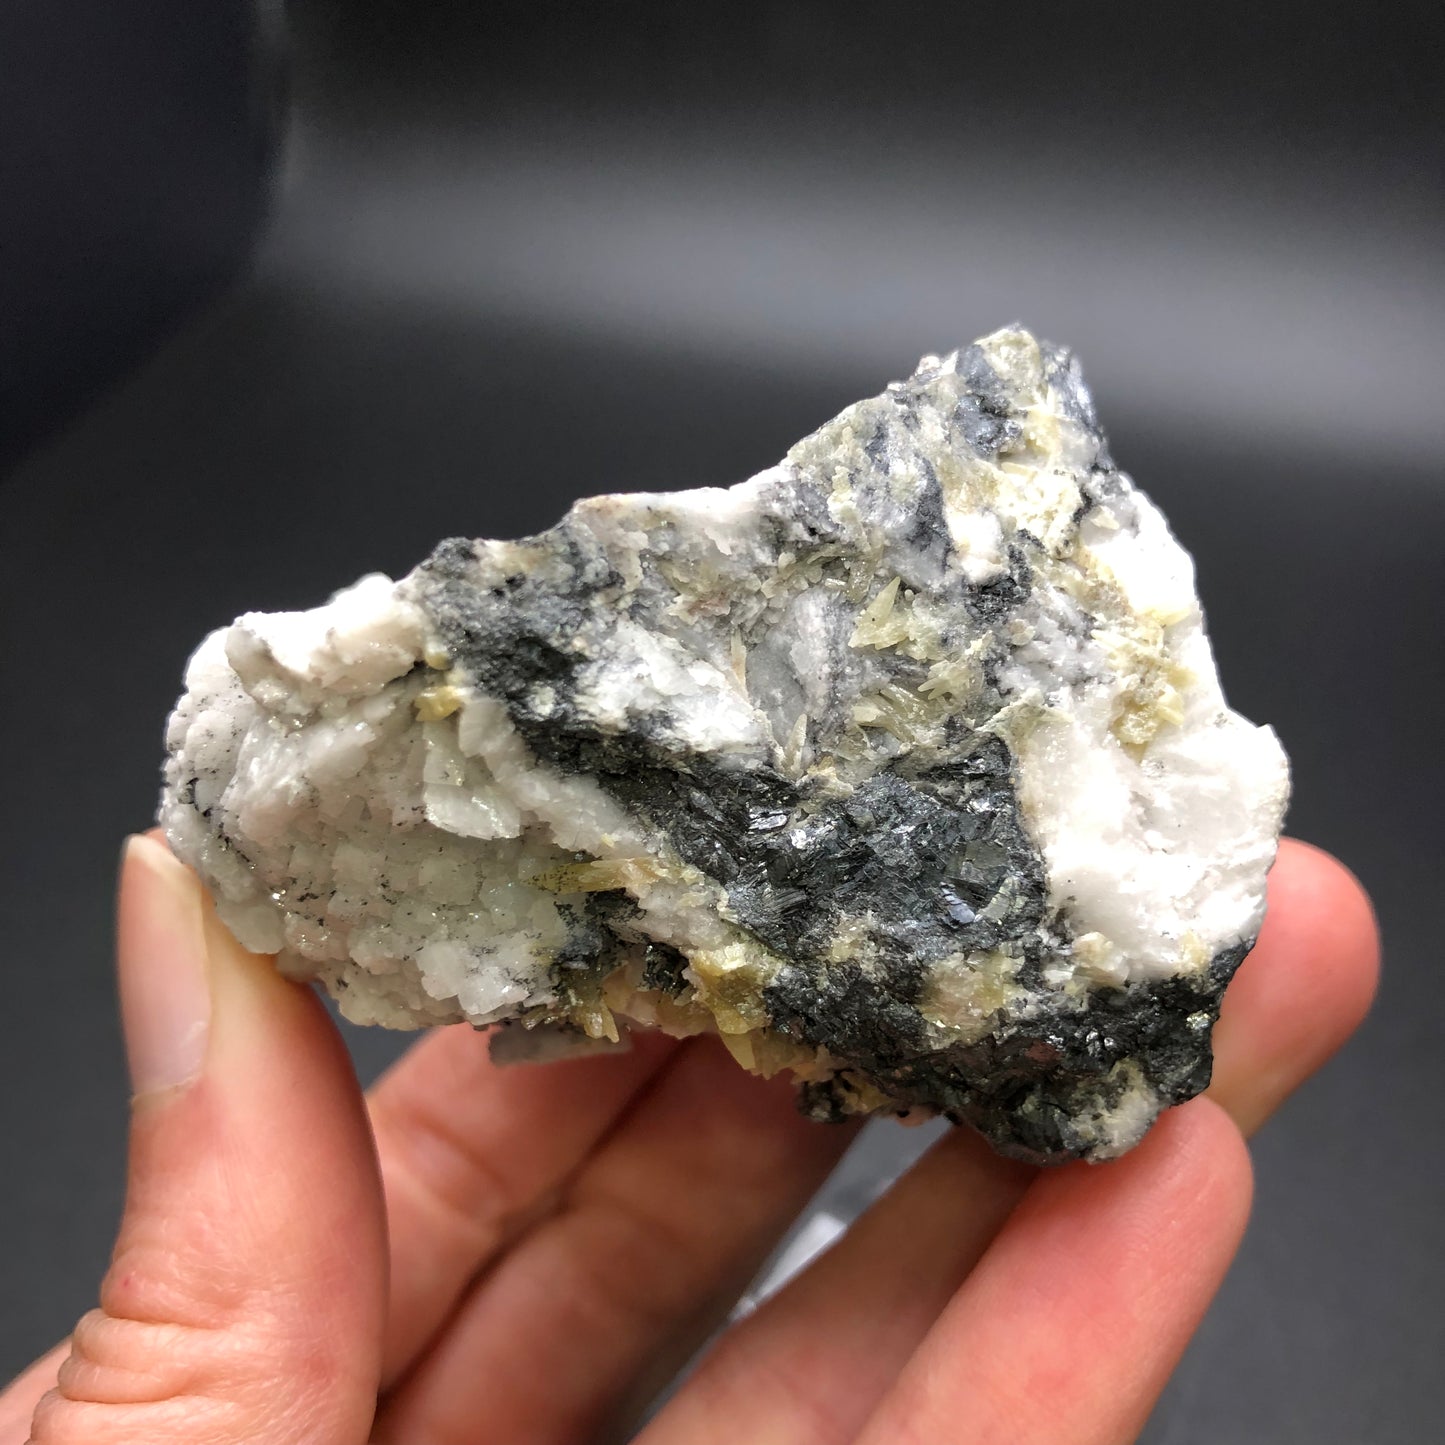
[903,766]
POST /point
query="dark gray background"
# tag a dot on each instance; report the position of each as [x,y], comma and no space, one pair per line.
[518,253]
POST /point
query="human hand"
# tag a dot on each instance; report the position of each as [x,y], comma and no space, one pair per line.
[557,1240]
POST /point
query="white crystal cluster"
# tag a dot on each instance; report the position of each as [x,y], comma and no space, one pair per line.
[903,766]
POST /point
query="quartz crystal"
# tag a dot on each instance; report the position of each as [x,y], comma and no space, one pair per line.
[903,767]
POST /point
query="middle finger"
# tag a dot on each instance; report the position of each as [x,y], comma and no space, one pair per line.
[654,1239]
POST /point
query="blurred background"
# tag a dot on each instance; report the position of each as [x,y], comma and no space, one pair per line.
[287,294]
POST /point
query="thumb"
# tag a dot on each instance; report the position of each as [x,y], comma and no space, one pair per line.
[245,1297]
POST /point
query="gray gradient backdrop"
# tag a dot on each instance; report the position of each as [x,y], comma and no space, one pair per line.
[518,254]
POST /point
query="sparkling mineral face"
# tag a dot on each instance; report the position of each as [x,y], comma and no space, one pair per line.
[903,766]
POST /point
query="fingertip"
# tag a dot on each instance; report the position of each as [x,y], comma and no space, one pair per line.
[1319,890]
[163,970]
[1304,988]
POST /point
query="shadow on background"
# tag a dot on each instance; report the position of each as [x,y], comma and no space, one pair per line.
[522,254]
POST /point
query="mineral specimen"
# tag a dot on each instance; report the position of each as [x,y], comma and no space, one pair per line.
[902,766]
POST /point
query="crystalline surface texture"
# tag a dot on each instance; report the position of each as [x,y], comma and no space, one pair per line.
[903,766]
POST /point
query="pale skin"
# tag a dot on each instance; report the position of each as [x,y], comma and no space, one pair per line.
[469,1254]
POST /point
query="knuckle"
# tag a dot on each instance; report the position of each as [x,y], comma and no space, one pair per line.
[138,1380]
[155,1278]
[61,1420]
[614,1242]
[427,1155]
[119,1361]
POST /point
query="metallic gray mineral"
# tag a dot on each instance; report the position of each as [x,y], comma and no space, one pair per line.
[903,767]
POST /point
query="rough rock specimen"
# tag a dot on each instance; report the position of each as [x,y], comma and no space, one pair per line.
[902,766]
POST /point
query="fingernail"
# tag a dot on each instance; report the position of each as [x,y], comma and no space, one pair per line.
[165,997]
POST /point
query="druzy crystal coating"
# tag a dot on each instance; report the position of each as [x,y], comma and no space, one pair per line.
[902,766]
